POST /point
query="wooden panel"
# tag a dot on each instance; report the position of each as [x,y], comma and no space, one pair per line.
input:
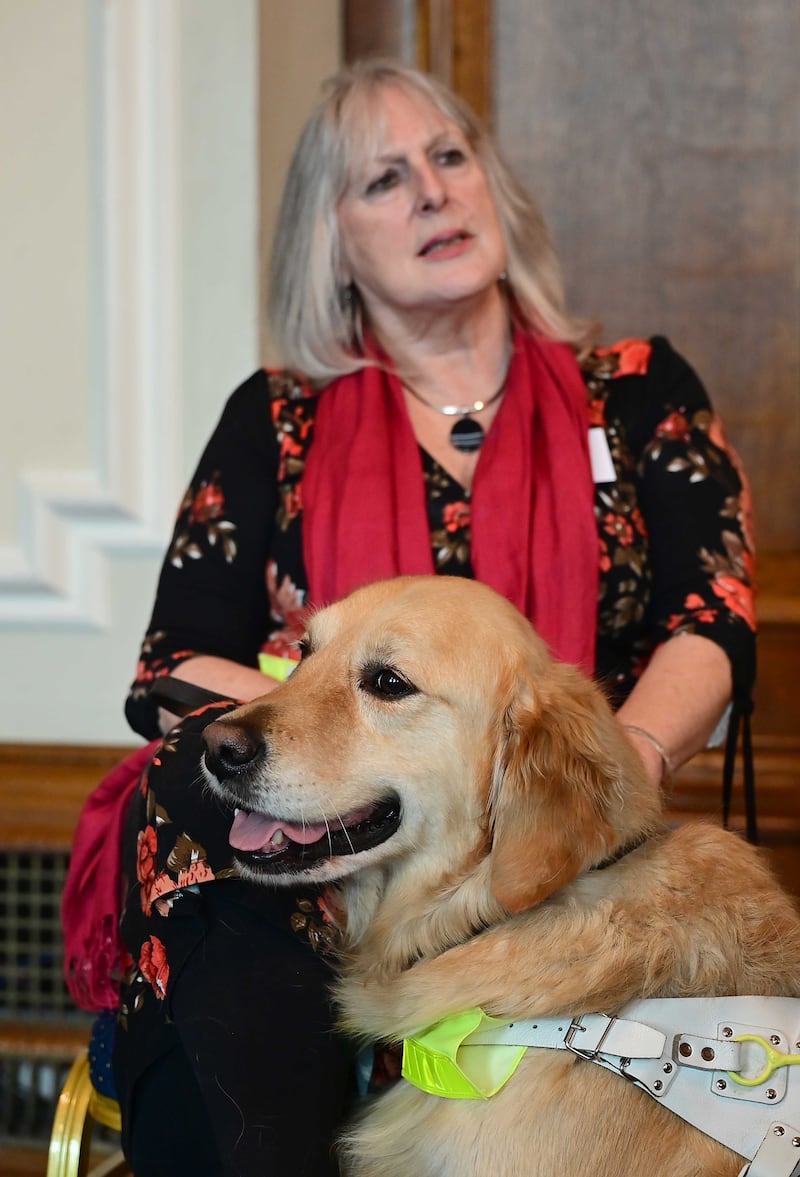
[42,789]
[663,144]
[448,38]
[380,28]
[472,44]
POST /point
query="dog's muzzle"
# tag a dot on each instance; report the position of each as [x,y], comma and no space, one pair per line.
[272,844]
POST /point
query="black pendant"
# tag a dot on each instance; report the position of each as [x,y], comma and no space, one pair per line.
[467,435]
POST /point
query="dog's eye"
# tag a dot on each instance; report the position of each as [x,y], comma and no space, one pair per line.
[304,646]
[387,683]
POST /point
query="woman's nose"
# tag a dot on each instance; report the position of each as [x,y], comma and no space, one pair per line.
[431,192]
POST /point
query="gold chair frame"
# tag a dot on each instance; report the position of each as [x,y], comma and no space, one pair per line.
[79,1108]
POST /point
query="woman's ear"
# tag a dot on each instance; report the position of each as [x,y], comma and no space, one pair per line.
[558,772]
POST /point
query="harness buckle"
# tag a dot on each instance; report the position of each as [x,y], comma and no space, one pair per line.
[577,1026]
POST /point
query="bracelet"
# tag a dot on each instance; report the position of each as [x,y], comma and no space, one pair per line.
[667,767]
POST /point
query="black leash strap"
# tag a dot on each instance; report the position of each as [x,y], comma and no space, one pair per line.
[179,697]
[740,720]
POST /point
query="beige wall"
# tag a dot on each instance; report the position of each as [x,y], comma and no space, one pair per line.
[44,239]
[130,297]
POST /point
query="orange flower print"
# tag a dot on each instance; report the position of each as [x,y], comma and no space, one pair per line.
[291,429]
[203,506]
[286,602]
[675,427]
[198,871]
[633,356]
[597,411]
[717,436]
[737,596]
[619,527]
[208,502]
[146,863]
[291,503]
[161,884]
[456,515]
[637,521]
[290,447]
[154,966]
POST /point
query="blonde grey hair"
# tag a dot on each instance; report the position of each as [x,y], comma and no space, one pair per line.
[316,318]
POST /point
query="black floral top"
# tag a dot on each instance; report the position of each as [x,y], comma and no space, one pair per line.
[674,538]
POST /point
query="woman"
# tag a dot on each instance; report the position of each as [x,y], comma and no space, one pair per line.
[440,424]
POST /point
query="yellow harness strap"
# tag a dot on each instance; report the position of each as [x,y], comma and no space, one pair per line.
[436,1060]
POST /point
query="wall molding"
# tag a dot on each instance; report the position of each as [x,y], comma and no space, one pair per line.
[70,521]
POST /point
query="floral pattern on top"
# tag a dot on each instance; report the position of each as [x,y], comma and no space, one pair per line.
[200,524]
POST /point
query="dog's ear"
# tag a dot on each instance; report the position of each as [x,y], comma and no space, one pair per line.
[559,772]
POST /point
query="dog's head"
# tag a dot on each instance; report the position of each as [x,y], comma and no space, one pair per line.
[427,725]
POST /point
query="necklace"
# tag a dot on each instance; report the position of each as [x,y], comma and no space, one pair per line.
[467,434]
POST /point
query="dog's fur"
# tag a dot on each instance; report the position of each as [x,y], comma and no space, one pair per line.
[514,780]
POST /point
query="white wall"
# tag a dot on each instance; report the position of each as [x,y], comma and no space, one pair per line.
[129,308]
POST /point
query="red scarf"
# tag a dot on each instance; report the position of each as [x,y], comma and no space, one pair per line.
[91,899]
[533,533]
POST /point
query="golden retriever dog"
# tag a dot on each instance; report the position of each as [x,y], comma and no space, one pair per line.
[491,841]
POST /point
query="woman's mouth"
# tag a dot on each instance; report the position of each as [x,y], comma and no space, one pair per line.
[445,244]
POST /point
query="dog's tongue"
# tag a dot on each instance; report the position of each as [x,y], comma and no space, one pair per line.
[254,831]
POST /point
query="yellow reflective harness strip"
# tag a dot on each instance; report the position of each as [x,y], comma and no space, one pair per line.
[275,666]
[437,1061]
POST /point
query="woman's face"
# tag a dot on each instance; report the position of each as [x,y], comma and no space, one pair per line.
[418,225]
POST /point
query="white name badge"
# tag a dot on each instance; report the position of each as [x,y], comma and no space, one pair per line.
[600,455]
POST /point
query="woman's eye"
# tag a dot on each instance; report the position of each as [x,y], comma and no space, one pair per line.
[451,157]
[387,683]
[383,183]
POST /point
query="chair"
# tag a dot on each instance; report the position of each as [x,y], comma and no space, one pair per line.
[80,1106]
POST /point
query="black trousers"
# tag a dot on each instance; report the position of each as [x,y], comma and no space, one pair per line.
[238,1071]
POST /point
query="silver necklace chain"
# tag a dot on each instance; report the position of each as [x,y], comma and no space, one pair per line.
[455,410]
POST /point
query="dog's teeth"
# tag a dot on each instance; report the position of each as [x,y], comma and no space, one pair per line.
[278,838]
[236,812]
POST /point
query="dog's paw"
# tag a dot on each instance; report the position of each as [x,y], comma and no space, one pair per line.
[382,1008]
[379,1008]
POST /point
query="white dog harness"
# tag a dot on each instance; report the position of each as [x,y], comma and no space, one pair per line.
[724,1064]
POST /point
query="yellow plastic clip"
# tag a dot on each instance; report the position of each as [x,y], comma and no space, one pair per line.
[775,1059]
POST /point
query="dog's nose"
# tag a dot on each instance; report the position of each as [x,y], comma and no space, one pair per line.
[229,749]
